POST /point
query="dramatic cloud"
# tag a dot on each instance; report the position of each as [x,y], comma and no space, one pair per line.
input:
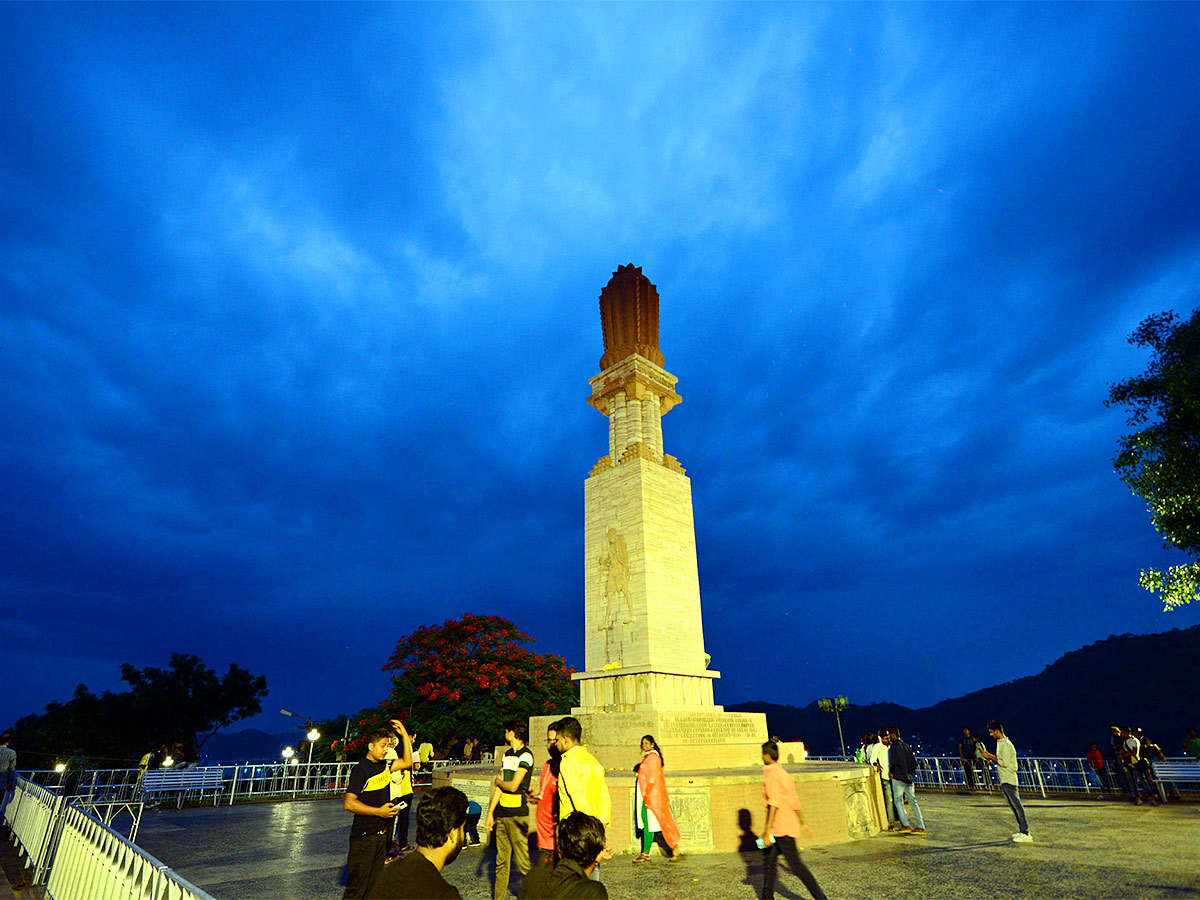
[298,307]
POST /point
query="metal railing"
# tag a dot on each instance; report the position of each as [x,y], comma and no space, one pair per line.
[76,855]
[31,814]
[92,860]
[1041,774]
[241,783]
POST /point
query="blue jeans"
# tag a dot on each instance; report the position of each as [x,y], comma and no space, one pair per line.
[900,790]
[887,800]
[1014,802]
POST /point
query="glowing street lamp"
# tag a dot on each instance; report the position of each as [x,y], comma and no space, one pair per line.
[313,736]
[835,705]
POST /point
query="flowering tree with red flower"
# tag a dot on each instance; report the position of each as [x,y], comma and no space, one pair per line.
[469,678]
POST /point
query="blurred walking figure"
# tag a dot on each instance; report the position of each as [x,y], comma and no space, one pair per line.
[654,821]
[785,821]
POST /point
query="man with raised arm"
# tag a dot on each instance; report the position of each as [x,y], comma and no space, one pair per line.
[368,796]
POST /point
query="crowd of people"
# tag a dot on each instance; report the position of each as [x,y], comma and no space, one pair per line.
[573,809]
[896,766]
[1123,767]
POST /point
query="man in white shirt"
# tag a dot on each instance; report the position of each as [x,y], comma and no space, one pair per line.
[1005,759]
[879,759]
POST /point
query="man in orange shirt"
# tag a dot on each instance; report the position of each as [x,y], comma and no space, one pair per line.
[784,823]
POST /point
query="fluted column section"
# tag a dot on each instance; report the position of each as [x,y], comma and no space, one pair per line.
[633,409]
[652,422]
[622,429]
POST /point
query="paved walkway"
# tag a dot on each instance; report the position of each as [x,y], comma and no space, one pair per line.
[1081,849]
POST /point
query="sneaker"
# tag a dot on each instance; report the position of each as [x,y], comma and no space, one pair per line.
[1137,802]
[904,829]
[918,831]
[1022,839]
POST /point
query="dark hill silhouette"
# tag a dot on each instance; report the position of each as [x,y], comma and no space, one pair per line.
[1146,680]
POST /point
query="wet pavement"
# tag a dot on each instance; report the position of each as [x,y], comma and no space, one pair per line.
[1081,848]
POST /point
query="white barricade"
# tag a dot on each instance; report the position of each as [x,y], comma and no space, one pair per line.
[92,860]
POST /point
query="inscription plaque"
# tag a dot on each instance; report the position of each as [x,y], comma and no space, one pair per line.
[692,808]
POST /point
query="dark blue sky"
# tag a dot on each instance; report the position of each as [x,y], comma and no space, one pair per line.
[299,307]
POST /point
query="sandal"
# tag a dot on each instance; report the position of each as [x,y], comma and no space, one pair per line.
[642,857]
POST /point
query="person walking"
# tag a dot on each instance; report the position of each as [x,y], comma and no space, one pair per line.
[785,822]
[1005,759]
[653,817]
[547,800]
[904,776]
[508,813]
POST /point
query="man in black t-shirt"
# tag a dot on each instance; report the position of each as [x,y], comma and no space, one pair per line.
[368,797]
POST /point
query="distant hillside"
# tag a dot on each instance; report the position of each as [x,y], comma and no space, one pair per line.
[250,745]
[1144,680]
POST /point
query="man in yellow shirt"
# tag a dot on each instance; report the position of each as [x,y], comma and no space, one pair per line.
[581,785]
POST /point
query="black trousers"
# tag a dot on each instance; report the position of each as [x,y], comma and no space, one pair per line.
[787,845]
[364,862]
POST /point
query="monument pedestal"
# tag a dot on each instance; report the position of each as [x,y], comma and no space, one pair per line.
[721,810]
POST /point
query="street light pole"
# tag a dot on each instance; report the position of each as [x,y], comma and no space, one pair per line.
[835,705]
[313,736]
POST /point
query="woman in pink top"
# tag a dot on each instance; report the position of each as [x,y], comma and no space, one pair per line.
[545,800]
[654,819]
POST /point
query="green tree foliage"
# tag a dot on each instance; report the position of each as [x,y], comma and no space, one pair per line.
[469,678]
[1160,461]
[190,698]
[185,702]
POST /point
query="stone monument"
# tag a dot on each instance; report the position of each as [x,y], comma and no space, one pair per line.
[647,672]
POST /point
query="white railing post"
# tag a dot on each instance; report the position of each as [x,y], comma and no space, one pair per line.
[1038,771]
[233,785]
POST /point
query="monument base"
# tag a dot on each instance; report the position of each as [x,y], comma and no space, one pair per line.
[690,737]
[721,810]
